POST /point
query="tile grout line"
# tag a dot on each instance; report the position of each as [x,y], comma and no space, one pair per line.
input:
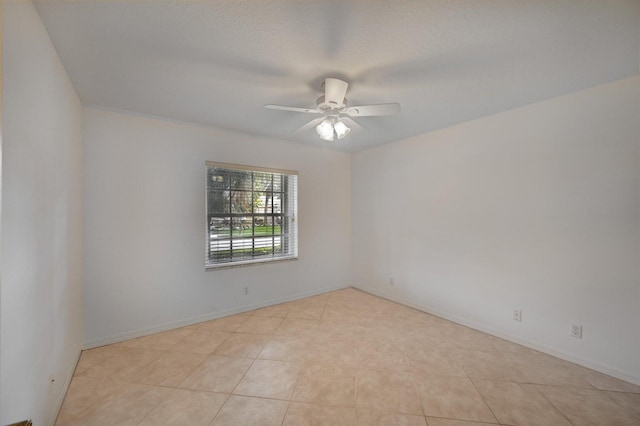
[245,373]
[483,398]
[213,419]
[324,308]
[200,363]
[535,387]
[154,407]
[290,401]
[413,382]
[177,386]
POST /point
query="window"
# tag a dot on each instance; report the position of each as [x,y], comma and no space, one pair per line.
[251,214]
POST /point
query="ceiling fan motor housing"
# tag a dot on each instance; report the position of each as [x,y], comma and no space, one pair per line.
[328,106]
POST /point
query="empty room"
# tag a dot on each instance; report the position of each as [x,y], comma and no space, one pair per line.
[306,212]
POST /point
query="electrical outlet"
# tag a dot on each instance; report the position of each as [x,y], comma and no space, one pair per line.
[517,315]
[576,331]
[246,291]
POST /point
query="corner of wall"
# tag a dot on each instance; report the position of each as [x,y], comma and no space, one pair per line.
[41,164]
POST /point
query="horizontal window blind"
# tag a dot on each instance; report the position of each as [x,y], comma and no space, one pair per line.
[251,214]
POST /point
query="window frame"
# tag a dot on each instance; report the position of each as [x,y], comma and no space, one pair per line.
[288,217]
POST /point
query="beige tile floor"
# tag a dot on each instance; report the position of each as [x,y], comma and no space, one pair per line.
[341,358]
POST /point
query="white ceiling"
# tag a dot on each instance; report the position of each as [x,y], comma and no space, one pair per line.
[218,62]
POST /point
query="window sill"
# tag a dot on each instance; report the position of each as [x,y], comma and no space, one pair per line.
[249,263]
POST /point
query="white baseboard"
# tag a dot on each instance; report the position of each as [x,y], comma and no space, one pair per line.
[201,318]
[606,369]
[602,368]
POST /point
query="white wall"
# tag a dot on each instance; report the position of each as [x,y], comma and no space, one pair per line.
[144,234]
[41,294]
[537,209]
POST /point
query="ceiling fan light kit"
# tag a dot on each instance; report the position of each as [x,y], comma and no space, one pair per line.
[341,129]
[334,110]
[332,126]
[325,130]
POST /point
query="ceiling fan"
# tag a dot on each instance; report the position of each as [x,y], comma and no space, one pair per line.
[337,116]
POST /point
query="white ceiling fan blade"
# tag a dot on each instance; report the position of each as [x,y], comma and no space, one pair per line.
[351,123]
[313,123]
[334,91]
[372,110]
[294,109]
